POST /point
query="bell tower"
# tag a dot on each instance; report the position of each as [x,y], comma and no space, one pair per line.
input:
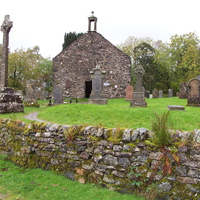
[91,19]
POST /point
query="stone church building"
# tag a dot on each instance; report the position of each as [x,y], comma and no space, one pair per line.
[71,67]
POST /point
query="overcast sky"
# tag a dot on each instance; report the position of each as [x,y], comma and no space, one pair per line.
[44,22]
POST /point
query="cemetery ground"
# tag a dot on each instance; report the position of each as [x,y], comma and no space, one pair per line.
[116,114]
[20,183]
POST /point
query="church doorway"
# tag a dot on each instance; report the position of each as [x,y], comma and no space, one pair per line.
[88,88]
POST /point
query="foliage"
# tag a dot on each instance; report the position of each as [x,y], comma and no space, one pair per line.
[29,184]
[69,38]
[166,64]
[28,64]
[161,132]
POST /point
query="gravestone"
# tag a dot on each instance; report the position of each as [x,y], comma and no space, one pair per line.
[57,95]
[129,93]
[175,107]
[138,96]
[193,98]
[97,95]
[160,94]
[147,94]
[155,93]
[183,91]
[31,93]
[170,93]
[10,100]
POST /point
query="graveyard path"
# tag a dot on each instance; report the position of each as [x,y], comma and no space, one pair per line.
[33,116]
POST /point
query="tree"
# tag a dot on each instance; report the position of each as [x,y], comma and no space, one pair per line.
[185,59]
[144,55]
[25,65]
[69,38]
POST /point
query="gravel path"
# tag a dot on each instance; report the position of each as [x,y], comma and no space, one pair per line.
[33,116]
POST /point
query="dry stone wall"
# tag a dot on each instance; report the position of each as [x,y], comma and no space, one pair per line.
[119,159]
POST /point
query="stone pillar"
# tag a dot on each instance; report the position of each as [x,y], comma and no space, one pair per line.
[138,95]
[5,28]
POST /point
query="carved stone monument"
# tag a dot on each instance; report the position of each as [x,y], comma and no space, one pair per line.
[160,92]
[97,95]
[170,93]
[129,93]
[10,100]
[193,92]
[138,95]
[31,93]
[183,91]
[155,93]
[5,28]
[57,95]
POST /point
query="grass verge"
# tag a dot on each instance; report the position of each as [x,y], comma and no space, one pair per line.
[32,184]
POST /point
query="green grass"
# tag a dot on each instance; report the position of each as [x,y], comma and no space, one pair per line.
[32,184]
[116,114]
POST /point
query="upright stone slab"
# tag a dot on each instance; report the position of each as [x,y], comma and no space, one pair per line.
[57,95]
[97,95]
[160,94]
[31,93]
[183,91]
[170,93]
[10,100]
[193,98]
[155,93]
[138,96]
[129,93]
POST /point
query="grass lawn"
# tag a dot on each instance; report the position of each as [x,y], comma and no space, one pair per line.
[116,114]
[32,184]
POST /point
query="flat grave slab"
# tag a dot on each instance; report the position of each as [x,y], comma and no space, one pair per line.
[175,107]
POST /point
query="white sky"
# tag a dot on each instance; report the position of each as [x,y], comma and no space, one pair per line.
[44,22]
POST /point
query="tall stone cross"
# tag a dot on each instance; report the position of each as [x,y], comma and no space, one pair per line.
[5,28]
[138,95]
[139,71]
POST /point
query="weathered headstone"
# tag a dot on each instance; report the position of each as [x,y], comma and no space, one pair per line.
[10,100]
[97,95]
[129,93]
[147,94]
[193,92]
[175,107]
[57,95]
[31,93]
[160,94]
[155,93]
[170,93]
[183,91]
[138,95]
